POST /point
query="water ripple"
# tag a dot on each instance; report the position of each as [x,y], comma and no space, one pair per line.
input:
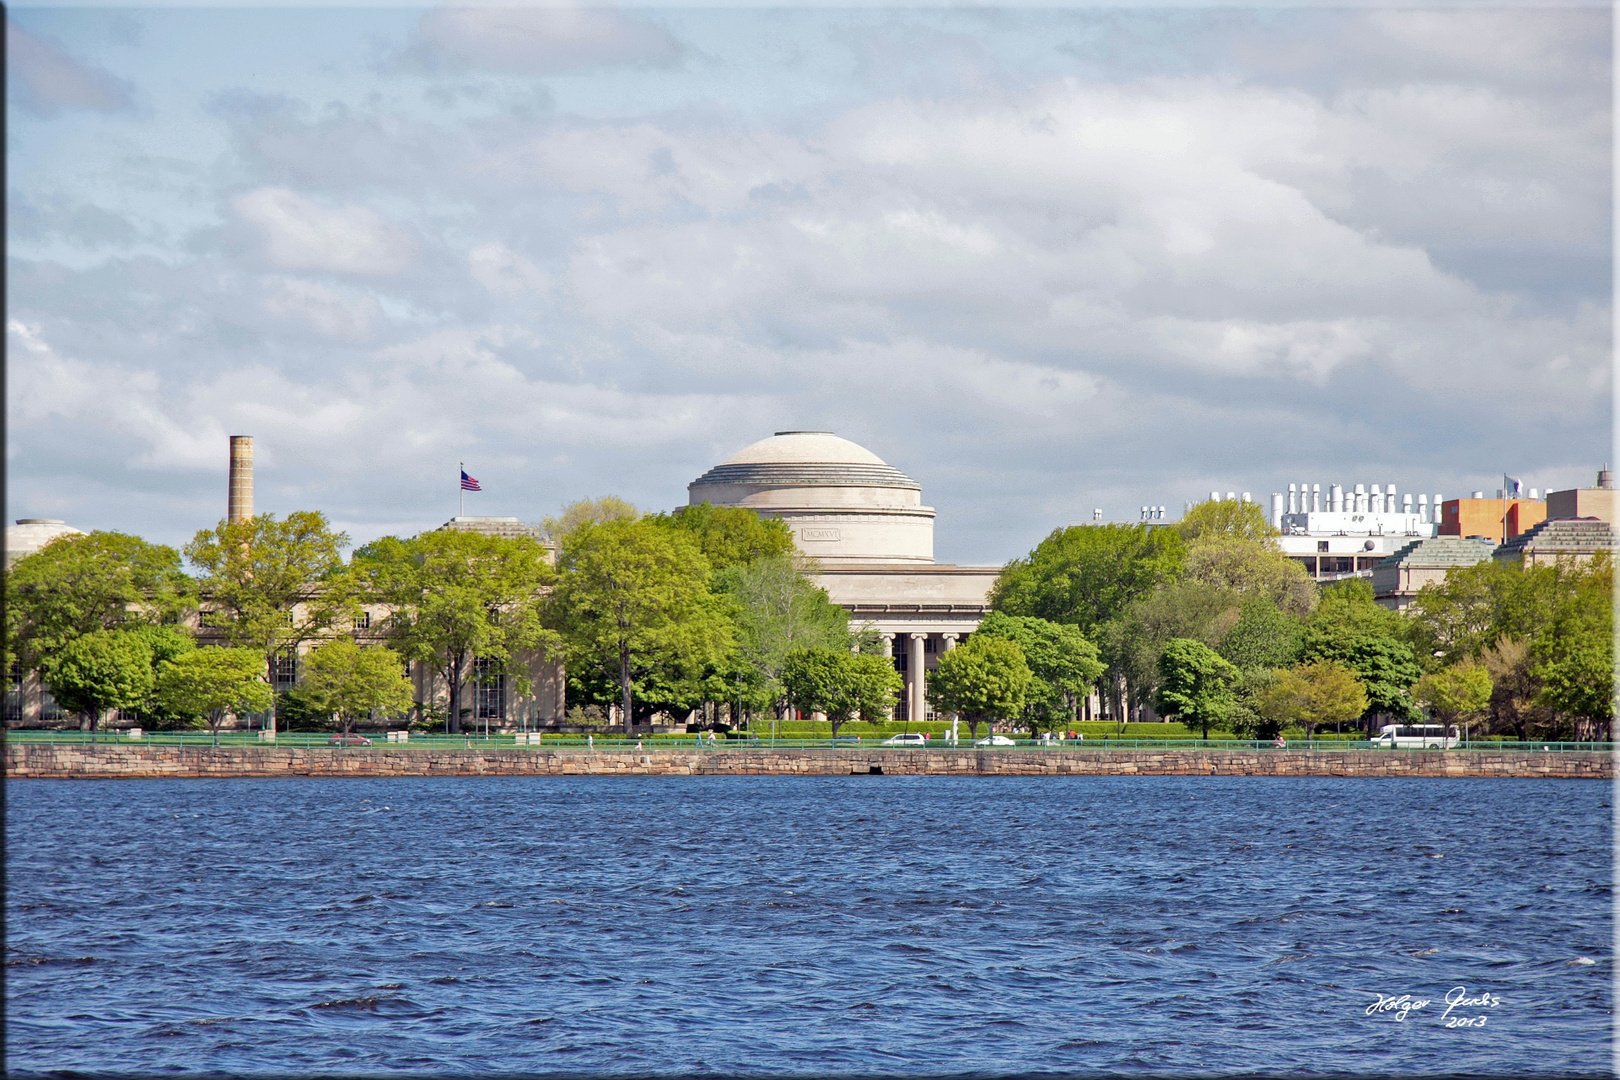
[805,926]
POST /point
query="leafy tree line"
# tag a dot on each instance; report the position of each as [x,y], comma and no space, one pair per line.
[1210,623]
[711,609]
[653,614]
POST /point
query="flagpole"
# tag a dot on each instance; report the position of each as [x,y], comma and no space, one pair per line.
[461,493]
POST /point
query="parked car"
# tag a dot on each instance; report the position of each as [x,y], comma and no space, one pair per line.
[350,739]
[995,740]
[906,739]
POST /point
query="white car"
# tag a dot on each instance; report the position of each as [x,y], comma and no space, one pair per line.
[995,740]
[906,739]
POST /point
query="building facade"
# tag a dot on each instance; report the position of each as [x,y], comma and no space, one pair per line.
[865,524]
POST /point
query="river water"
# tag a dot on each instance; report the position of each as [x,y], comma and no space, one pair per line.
[807,926]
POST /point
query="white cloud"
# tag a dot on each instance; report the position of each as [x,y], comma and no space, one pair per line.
[1030,288]
[328,311]
[45,79]
[300,234]
[544,39]
[504,272]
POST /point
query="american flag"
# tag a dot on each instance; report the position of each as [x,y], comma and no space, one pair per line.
[468,483]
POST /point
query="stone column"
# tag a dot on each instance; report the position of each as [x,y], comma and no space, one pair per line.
[950,641]
[888,650]
[917,668]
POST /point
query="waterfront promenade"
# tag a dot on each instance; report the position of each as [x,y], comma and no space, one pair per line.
[129,760]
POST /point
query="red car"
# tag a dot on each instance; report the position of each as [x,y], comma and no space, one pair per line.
[350,739]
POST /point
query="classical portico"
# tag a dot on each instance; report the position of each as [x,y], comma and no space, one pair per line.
[865,524]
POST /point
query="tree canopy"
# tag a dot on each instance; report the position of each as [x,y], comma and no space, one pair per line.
[76,585]
[458,597]
[840,684]
[984,679]
[587,512]
[1063,666]
[272,584]
[1086,575]
[632,603]
[1320,692]
[1225,519]
[355,682]
[99,671]
[1459,692]
[1195,684]
[209,683]
[777,608]
[730,536]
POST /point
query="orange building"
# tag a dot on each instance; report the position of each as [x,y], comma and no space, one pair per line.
[1490,517]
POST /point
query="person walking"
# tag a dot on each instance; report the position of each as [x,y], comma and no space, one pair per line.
[590,741]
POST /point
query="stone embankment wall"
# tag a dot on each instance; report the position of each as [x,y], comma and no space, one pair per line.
[139,762]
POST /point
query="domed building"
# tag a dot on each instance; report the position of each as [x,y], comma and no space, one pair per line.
[31,534]
[843,502]
[864,522]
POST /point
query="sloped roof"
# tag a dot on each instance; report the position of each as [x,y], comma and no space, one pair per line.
[1572,536]
[1440,552]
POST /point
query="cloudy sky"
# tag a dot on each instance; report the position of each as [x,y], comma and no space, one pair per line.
[1043,260]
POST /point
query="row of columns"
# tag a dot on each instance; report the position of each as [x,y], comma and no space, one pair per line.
[916,676]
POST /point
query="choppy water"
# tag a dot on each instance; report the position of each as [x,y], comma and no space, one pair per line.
[806,925]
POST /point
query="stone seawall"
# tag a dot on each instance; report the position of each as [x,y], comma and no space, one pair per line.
[143,762]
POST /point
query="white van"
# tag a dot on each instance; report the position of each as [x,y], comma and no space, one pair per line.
[1417,737]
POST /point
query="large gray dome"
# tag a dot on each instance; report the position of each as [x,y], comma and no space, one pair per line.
[806,459]
[843,502]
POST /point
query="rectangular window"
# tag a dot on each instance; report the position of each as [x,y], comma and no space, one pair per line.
[286,671]
[1321,545]
[362,621]
[489,690]
[14,694]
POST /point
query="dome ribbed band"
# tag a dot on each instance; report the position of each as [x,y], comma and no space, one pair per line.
[801,474]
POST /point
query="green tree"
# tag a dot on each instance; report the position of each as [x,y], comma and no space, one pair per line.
[730,536]
[1086,575]
[1457,693]
[356,682]
[1063,666]
[1320,692]
[1254,569]
[777,608]
[76,585]
[458,597]
[1132,644]
[1226,519]
[1263,637]
[841,684]
[1195,685]
[1476,606]
[984,679]
[1516,704]
[209,683]
[1351,627]
[1574,651]
[99,671]
[272,585]
[632,600]
[587,512]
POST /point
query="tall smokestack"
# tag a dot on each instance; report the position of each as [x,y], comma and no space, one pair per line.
[239,507]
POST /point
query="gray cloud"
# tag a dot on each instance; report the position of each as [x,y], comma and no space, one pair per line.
[1035,292]
[44,79]
[548,39]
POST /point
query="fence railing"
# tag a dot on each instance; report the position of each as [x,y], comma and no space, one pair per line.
[700,744]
